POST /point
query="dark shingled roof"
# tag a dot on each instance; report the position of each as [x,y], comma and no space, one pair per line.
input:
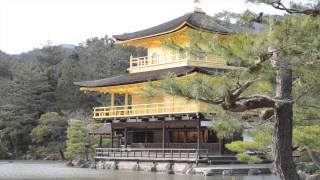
[144,76]
[196,19]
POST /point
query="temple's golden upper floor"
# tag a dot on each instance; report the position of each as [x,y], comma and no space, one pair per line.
[181,32]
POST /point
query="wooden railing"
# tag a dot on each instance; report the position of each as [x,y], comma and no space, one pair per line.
[149,154]
[213,148]
[144,109]
[171,58]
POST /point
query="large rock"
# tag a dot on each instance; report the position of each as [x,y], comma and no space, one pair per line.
[100,165]
[110,165]
[180,167]
[314,177]
[302,175]
[227,172]
[77,162]
[163,166]
[85,165]
[69,163]
[190,170]
[147,166]
[209,172]
[126,165]
[92,165]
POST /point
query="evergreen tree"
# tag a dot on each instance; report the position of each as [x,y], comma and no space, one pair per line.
[15,128]
[79,143]
[30,96]
[279,59]
[68,95]
[50,135]
[32,93]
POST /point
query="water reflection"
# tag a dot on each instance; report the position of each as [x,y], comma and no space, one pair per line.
[29,170]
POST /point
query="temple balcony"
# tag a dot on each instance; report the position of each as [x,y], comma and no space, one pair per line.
[171,60]
[128,111]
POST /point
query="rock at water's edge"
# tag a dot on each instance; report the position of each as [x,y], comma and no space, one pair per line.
[314,177]
[69,163]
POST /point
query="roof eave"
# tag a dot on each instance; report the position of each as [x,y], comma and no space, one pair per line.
[124,41]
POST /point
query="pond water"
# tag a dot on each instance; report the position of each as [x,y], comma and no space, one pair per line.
[30,170]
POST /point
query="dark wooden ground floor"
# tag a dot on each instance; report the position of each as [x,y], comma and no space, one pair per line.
[168,134]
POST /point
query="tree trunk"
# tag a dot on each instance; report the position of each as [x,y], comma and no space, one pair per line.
[282,134]
[62,154]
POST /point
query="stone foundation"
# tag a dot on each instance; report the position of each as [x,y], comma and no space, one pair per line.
[170,168]
[128,165]
[184,168]
[148,166]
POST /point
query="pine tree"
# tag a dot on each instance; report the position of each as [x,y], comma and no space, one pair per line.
[281,61]
[31,95]
[79,143]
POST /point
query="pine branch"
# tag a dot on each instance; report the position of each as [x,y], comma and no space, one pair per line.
[257,65]
[248,103]
[242,87]
[307,91]
[277,4]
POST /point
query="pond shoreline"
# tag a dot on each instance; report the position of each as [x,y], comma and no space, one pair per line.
[28,170]
[187,168]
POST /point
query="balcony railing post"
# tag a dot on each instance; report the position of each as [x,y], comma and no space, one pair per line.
[188,154]
[131,61]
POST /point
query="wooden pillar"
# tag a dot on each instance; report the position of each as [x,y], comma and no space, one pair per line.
[146,136]
[163,135]
[198,132]
[112,135]
[112,103]
[119,142]
[100,141]
[125,137]
[112,99]
[221,146]
[126,100]
[198,141]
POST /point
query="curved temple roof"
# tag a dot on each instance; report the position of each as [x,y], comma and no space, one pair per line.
[144,76]
[197,20]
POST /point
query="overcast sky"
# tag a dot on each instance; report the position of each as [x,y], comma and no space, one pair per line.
[28,24]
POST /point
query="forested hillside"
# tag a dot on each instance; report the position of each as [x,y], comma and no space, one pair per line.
[38,82]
